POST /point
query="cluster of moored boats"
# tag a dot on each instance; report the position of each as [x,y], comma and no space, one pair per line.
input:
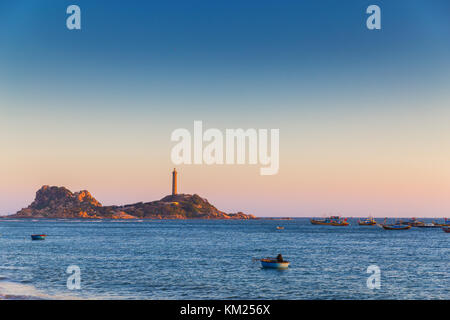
[280,263]
[397,225]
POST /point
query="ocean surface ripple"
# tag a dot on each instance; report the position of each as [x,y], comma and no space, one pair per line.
[199,259]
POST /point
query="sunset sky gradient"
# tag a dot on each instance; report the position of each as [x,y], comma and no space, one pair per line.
[363,115]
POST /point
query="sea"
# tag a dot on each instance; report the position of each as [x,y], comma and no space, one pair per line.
[216,259]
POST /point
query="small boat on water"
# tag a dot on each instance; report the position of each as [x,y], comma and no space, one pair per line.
[271,263]
[330,221]
[428,225]
[367,222]
[412,222]
[395,227]
[445,224]
[38,236]
[274,263]
[280,228]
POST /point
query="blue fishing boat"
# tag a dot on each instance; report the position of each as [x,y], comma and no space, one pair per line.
[398,225]
[38,236]
[274,264]
[395,227]
[413,222]
[445,224]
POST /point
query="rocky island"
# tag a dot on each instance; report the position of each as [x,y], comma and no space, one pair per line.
[59,202]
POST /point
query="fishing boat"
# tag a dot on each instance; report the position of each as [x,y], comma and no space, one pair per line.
[395,227]
[271,263]
[429,225]
[367,222]
[280,228]
[446,229]
[445,224]
[413,223]
[330,221]
[38,236]
[342,223]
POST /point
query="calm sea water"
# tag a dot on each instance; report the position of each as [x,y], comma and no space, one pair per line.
[197,259]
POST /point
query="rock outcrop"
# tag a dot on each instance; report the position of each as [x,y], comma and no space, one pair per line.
[59,202]
[62,203]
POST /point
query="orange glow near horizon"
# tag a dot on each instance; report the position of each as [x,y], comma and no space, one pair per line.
[354,163]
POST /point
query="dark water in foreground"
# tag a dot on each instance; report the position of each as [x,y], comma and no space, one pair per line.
[198,259]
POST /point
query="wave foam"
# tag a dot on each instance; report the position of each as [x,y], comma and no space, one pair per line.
[10,290]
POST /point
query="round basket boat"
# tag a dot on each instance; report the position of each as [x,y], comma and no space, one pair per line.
[274,264]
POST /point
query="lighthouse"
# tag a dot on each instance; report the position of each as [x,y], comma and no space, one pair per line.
[174,182]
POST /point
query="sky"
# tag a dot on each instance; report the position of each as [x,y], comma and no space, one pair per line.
[363,114]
